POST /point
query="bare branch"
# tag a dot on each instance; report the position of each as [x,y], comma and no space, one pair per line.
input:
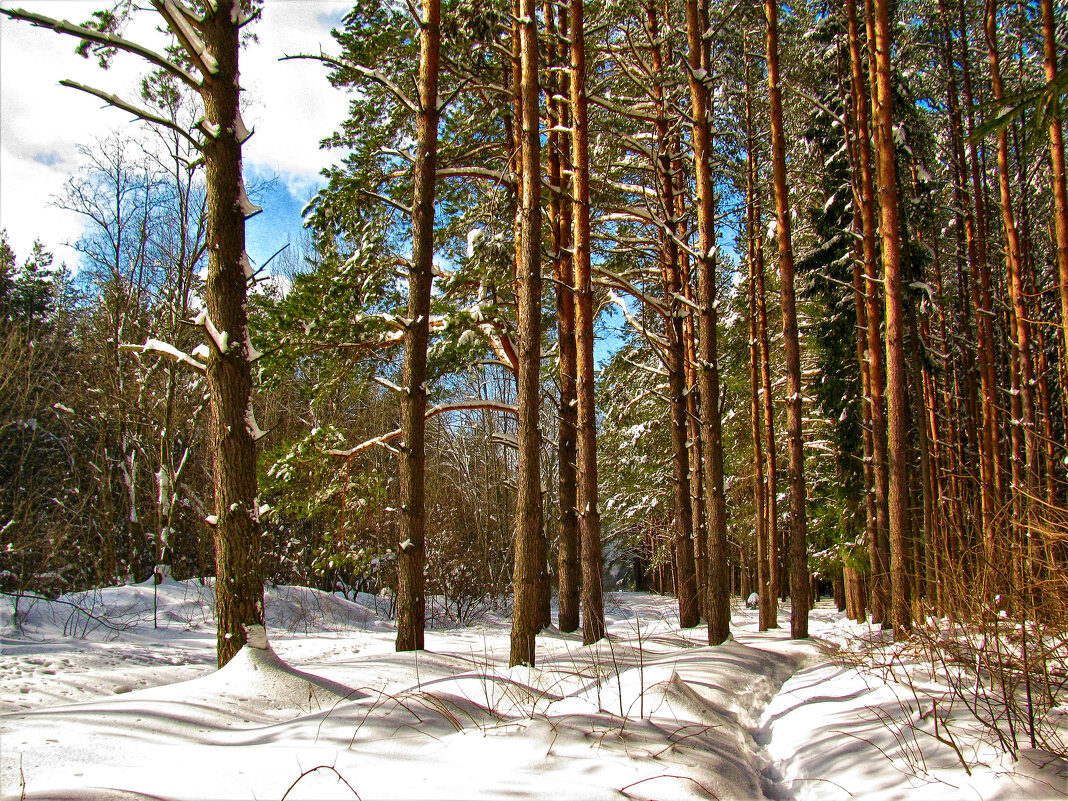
[416,14]
[619,282]
[457,406]
[443,104]
[165,349]
[106,39]
[140,113]
[374,75]
[821,106]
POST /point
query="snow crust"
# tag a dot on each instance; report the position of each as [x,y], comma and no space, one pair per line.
[100,698]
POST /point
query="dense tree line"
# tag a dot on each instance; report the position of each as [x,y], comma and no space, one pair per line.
[838,237]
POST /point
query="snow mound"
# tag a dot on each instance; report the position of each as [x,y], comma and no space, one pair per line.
[678,700]
[260,679]
[307,610]
[1038,775]
[111,613]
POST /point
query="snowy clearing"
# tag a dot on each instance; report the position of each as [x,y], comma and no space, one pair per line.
[105,705]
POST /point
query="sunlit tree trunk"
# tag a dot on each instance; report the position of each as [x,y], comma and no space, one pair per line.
[589,516]
[990,460]
[411,603]
[238,582]
[759,514]
[878,545]
[896,380]
[560,221]
[771,505]
[1060,183]
[675,353]
[526,581]
[718,612]
[799,578]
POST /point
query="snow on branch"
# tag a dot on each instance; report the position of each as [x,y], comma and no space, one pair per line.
[248,208]
[619,282]
[635,323]
[106,39]
[623,111]
[501,344]
[253,427]
[220,338]
[655,391]
[647,368]
[475,172]
[388,201]
[385,382]
[179,21]
[442,408]
[140,113]
[447,101]
[166,349]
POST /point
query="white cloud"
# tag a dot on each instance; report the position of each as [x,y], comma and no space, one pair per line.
[290,104]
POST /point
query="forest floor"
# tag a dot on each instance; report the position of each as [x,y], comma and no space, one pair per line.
[116,697]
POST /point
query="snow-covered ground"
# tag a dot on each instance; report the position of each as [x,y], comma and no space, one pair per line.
[122,701]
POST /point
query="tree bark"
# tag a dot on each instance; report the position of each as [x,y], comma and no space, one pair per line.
[589,515]
[770,450]
[879,546]
[990,460]
[411,602]
[1057,166]
[526,581]
[896,381]
[238,580]
[560,221]
[799,578]
[718,601]
[765,619]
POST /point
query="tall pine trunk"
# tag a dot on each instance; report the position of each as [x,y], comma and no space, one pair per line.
[718,599]
[1060,183]
[560,221]
[759,514]
[675,353]
[990,460]
[526,580]
[411,602]
[896,380]
[238,579]
[878,546]
[799,578]
[771,505]
[589,516]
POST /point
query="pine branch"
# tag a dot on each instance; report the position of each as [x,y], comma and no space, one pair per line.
[142,114]
[443,104]
[374,75]
[388,201]
[475,172]
[106,39]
